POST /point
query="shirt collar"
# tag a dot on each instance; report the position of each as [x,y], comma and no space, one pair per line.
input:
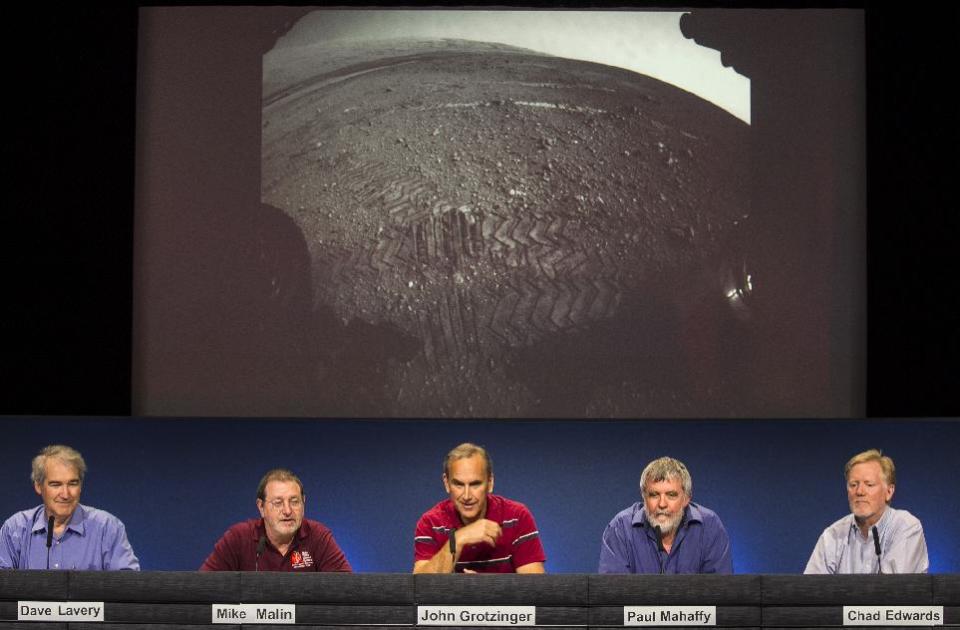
[881,525]
[494,511]
[76,523]
[260,529]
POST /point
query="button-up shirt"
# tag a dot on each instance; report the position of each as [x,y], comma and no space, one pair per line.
[93,540]
[842,549]
[701,544]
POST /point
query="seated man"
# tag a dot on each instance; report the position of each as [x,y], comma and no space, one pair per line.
[666,532]
[874,537]
[81,538]
[474,531]
[281,539]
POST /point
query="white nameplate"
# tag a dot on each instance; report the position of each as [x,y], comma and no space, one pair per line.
[476,615]
[59,611]
[254,613]
[893,615]
[669,615]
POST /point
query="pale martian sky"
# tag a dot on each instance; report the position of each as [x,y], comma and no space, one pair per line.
[648,42]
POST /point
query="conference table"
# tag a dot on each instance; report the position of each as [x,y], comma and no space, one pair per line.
[161,600]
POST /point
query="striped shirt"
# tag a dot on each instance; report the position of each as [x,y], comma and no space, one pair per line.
[519,544]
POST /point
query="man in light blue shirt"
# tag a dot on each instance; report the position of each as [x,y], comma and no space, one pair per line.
[82,537]
[874,537]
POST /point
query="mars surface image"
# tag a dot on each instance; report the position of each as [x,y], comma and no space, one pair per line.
[496,232]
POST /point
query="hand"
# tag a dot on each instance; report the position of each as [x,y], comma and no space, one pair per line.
[481,531]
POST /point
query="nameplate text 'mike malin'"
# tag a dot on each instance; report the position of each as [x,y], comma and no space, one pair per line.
[254,613]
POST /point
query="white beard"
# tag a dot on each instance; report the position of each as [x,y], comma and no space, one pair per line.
[668,526]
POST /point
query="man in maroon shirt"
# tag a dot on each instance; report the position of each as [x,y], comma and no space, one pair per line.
[474,531]
[281,540]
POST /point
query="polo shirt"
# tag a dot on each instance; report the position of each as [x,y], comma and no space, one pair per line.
[701,544]
[313,549]
[519,542]
[93,540]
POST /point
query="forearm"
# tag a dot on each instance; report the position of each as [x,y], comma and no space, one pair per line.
[442,562]
[532,567]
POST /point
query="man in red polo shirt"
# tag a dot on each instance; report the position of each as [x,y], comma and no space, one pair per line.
[281,540]
[475,531]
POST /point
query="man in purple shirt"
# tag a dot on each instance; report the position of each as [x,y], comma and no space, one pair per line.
[81,538]
[666,532]
[281,539]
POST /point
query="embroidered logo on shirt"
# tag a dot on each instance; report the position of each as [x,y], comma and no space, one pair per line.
[301,560]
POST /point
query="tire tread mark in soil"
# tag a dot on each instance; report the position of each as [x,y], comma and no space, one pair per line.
[559,314]
[450,333]
[520,235]
[584,297]
[522,321]
[426,334]
[345,268]
[553,283]
[502,312]
[386,254]
[503,241]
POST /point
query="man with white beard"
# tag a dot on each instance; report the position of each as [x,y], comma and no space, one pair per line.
[666,532]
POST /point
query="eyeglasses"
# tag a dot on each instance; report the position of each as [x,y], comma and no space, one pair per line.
[295,503]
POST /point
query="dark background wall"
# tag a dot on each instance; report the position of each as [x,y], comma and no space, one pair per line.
[178,484]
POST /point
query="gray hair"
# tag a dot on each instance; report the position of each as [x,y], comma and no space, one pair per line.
[467,450]
[65,454]
[665,469]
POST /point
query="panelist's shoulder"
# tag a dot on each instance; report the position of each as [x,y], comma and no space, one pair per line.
[316,528]
[99,516]
[21,519]
[705,514]
[907,521]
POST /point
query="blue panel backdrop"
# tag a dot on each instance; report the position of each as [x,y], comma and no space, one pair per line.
[179,483]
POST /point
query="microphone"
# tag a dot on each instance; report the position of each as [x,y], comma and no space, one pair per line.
[49,539]
[876,545]
[261,545]
[660,549]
